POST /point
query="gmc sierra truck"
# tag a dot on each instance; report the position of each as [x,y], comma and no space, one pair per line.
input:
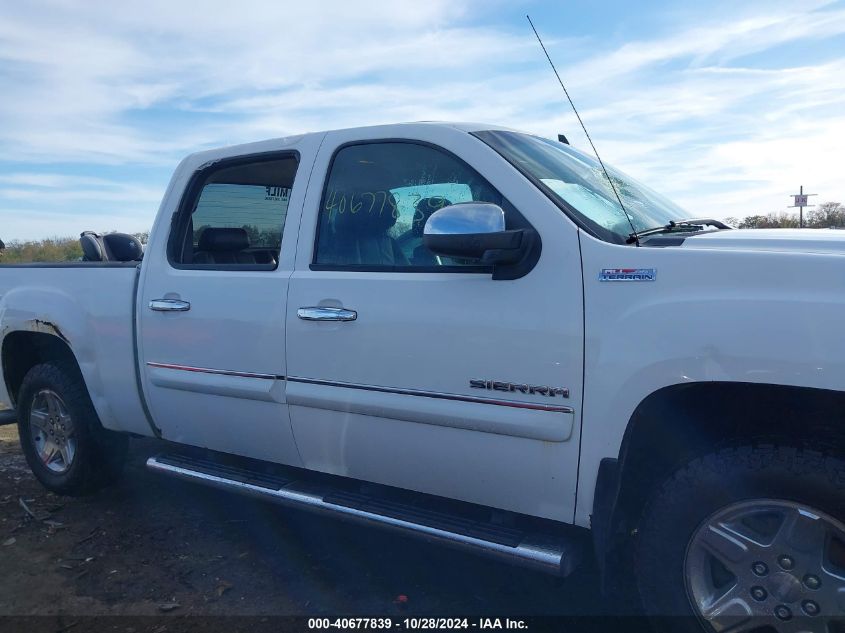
[462,332]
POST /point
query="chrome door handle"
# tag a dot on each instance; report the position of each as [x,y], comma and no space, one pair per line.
[326,314]
[169,305]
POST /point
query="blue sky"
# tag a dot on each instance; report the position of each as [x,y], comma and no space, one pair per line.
[725,107]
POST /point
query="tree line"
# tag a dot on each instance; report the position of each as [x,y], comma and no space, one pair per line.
[51,249]
[828,215]
[67,249]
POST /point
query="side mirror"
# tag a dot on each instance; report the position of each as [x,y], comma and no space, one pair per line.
[475,230]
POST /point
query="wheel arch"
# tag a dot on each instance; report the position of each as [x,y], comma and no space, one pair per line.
[678,423]
[24,349]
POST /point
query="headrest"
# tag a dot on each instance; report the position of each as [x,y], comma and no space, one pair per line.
[366,221]
[92,247]
[121,247]
[113,247]
[223,240]
[423,210]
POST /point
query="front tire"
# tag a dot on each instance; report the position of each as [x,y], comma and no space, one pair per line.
[743,539]
[66,448]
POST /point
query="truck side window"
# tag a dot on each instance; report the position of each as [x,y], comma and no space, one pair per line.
[377,199]
[234,215]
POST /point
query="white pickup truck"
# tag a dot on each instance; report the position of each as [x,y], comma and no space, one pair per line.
[457,331]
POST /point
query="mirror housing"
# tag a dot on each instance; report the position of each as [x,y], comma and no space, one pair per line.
[476,230]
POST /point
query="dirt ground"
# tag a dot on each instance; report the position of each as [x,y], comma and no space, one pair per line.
[152,545]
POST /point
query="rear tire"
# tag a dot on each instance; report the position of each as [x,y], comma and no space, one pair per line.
[65,445]
[745,537]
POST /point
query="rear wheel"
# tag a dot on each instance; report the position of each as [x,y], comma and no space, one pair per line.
[67,449]
[52,431]
[746,539]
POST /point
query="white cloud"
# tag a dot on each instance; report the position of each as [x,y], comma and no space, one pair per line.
[102,84]
[720,41]
[81,66]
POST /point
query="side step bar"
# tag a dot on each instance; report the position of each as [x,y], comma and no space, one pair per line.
[555,553]
[8,417]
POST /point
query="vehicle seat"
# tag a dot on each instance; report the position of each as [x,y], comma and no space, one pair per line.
[112,247]
[265,256]
[223,246]
[361,239]
[422,212]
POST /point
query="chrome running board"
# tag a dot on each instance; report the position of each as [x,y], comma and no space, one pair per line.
[553,552]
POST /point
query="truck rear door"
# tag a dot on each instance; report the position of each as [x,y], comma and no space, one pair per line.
[424,372]
[212,306]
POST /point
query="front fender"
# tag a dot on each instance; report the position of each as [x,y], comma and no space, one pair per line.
[710,315]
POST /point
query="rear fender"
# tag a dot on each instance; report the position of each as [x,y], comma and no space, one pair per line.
[56,313]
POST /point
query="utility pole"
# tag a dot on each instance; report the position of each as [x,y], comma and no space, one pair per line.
[800,200]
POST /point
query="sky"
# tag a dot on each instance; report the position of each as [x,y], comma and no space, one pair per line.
[725,107]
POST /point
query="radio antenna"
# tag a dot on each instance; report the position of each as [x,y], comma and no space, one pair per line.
[633,237]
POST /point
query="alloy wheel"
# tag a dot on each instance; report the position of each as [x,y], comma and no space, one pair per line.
[768,564]
[52,431]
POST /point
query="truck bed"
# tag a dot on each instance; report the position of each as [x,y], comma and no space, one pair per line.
[94,302]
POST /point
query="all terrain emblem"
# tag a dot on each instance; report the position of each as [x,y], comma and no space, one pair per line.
[628,274]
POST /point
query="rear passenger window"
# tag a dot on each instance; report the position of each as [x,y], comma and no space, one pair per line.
[234,215]
[377,199]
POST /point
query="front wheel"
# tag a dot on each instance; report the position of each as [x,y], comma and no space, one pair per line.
[66,448]
[746,539]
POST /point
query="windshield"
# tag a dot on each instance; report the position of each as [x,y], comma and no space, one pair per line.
[574,178]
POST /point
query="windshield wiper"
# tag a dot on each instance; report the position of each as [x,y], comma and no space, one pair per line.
[696,224]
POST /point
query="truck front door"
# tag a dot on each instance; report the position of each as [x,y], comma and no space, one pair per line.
[423,372]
